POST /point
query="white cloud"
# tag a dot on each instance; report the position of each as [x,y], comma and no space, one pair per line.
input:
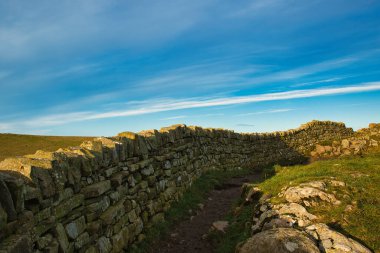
[178,104]
[245,125]
[328,80]
[175,117]
[266,112]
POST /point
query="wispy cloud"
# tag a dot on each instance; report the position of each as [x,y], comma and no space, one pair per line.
[266,112]
[175,117]
[329,80]
[211,76]
[245,125]
[172,105]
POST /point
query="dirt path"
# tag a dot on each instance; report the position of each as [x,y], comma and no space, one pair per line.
[187,235]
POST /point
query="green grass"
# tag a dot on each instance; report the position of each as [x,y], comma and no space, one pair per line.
[12,145]
[180,210]
[362,178]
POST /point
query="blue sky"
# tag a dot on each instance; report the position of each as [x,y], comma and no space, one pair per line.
[102,67]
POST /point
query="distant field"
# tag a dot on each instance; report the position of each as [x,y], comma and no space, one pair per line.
[18,144]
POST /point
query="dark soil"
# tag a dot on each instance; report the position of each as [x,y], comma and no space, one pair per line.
[186,237]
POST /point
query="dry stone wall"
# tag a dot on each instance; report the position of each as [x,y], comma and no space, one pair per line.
[100,197]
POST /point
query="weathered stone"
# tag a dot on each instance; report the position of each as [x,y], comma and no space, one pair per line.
[296,210]
[60,234]
[113,213]
[117,178]
[120,240]
[104,245]
[16,244]
[44,241]
[345,144]
[333,241]
[3,217]
[6,201]
[76,227]
[147,171]
[279,240]
[298,194]
[82,240]
[68,205]
[97,189]
[52,247]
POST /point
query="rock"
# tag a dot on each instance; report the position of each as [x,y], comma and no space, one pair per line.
[337,183]
[113,213]
[3,217]
[374,143]
[82,240]
[52,247]
[60,234]
[68,205]
[307,194]
[44,241]
[104,245]
[333,241]
[279,240]
[97,189]
[298,212]
[220,225]
[320,149]
[345,144]
[147,171]
[76,227]
[282,222]
[16,244]
[6,201]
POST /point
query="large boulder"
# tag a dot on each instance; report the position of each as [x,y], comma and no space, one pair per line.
[280,240]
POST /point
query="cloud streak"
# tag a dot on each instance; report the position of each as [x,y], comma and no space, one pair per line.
[172,105]
[266,112]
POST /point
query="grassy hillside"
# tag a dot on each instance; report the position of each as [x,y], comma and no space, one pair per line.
[362,178]
[18,144]
[362,191]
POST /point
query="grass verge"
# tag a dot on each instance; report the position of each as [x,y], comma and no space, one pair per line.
[12,145]
[362,178]
[180,210]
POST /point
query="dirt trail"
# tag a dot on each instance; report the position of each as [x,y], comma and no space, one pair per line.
[187,235]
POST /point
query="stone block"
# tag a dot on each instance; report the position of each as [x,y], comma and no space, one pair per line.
[61,236]
[75,228]
[68,205]
[96,189]
[113,213]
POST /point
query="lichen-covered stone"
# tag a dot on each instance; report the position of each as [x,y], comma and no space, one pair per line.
[68,205]
[97,189]
[280,240]
[113,213]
